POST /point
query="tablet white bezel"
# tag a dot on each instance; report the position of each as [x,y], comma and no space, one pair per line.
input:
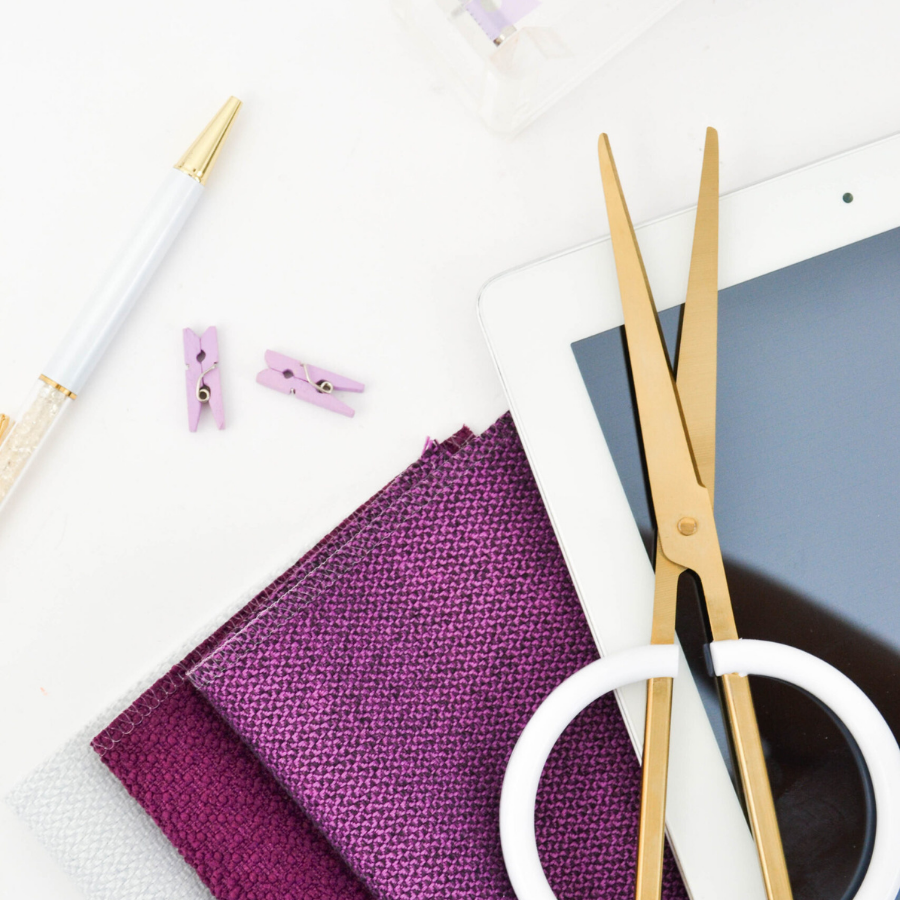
[531,316]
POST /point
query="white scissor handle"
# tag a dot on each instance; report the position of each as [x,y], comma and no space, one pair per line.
[859,715]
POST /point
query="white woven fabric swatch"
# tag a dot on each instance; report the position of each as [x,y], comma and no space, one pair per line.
[98,833]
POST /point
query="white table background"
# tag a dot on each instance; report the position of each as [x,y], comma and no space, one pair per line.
[353,215]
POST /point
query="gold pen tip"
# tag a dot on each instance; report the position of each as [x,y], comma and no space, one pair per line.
[201,156]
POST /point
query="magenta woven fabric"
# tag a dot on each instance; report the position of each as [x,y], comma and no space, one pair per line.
[216,803]
[386,685]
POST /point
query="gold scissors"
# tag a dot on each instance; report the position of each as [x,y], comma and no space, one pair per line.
[678,429]
[678,433]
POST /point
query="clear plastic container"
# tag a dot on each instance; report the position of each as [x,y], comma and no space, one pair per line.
[513,59]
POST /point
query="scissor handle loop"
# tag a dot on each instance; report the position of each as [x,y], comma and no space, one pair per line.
[867,726]
[860,717]
[523,772]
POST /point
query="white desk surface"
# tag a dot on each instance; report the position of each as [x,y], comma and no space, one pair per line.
[352,217]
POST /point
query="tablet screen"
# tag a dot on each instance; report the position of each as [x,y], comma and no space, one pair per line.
[807,506]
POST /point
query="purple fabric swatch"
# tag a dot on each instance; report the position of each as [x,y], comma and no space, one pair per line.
[216,803]
[426,628]
[386,685]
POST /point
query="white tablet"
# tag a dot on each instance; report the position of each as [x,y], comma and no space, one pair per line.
[807,502]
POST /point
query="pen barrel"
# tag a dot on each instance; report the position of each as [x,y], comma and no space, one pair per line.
[42,410]
[109,305]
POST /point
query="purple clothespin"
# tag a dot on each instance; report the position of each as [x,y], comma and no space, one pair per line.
[310,383]
[201,356]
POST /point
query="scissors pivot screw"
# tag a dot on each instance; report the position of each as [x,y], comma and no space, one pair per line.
[688,526]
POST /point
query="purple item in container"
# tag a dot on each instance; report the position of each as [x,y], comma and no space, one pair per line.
[495,16]
[386,685]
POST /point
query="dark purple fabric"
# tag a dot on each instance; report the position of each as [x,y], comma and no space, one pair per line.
[212,798]
[386,685]
[226,814]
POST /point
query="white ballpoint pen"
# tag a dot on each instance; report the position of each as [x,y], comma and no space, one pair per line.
[92,332]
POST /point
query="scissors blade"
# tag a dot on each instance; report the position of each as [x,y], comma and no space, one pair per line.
[697,345]
[698,330]
[678,494]
[695,377]
[682,505]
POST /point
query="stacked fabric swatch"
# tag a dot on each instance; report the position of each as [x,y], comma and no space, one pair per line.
[345,734]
